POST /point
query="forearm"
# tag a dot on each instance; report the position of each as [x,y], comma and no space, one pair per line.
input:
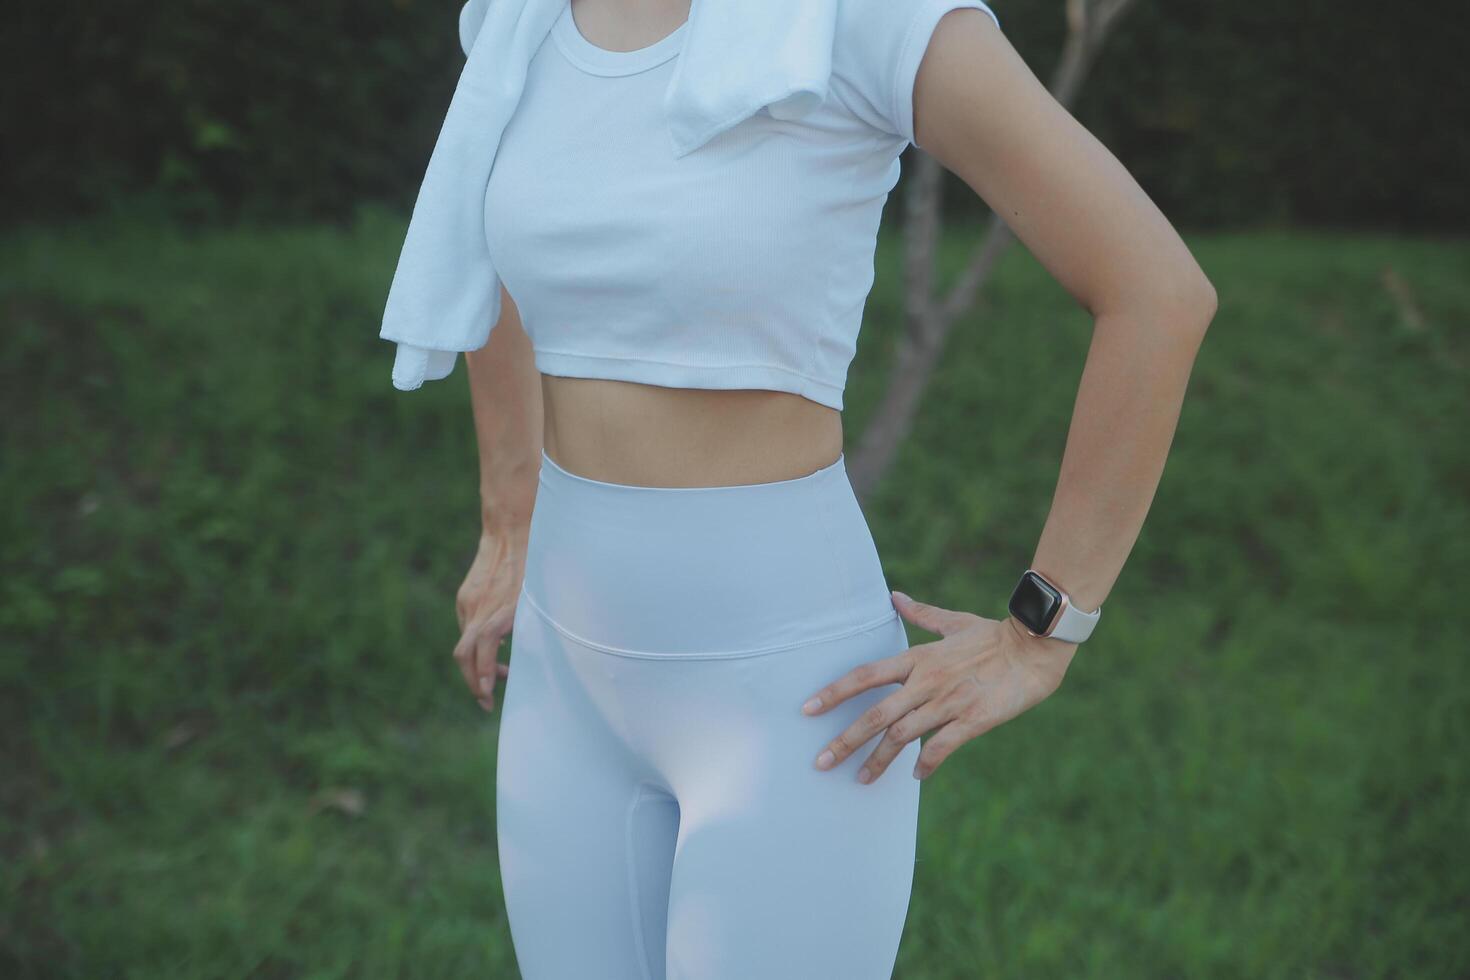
[1123,422]
[505,395]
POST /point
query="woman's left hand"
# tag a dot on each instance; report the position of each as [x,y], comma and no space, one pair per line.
[981,673]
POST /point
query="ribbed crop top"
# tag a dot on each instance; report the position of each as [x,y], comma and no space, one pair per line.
[745,264]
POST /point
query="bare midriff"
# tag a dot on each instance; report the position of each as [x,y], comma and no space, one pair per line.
[655,436]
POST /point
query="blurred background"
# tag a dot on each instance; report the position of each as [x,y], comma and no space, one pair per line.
[234,740]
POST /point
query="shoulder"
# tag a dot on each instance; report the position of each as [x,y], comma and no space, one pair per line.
[877,48]
[471,16]
[883,29]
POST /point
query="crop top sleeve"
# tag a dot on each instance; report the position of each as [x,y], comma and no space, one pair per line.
[881,43]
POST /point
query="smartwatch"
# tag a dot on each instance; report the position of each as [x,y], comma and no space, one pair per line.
[1045,610]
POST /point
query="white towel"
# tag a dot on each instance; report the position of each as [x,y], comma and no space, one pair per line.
[738,57]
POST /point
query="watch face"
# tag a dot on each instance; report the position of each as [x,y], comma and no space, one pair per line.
[1035,603]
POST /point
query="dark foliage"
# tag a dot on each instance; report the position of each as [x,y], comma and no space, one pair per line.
[1340,113]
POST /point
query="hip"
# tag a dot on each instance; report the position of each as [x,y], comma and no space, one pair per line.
[707,572]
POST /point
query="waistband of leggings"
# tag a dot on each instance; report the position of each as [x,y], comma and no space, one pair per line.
[709,571]
[736,653]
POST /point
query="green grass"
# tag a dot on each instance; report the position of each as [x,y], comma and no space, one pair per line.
[236,745]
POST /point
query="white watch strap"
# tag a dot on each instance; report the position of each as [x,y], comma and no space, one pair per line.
[1074,625]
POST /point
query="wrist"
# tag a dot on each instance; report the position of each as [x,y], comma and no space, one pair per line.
[1029,639]
[503,528]
[1075,584]
[502,517]
[508,496]
[1043,609]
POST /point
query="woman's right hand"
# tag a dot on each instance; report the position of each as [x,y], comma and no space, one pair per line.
[486,607]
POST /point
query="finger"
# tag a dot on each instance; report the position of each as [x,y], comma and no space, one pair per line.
[926,717]
[935,619]
[874,673]
[940,745]
[872,721]
[502,671]
[487,648]
[464,659]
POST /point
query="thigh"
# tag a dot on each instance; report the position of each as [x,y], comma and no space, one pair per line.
[783,871]
[585,845]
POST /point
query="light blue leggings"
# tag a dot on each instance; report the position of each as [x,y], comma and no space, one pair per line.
[658,813]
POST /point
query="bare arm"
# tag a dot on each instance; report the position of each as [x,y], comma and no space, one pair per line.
[505,397]
[982,113]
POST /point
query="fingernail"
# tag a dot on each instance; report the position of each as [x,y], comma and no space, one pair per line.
[487,686]
[902,596]
[825,759]
[812,705]
[917,774]
[864,776]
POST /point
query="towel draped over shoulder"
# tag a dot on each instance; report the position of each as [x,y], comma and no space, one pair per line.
[739,56]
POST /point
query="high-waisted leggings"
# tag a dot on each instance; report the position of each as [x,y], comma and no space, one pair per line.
[658,812]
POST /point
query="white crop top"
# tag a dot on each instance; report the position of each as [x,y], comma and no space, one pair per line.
[744,264]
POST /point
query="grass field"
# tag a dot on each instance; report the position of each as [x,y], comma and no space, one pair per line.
[236,746]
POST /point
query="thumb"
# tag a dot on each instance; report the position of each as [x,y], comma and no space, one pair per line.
[935,619]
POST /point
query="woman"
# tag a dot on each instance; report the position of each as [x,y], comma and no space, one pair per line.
[710,749]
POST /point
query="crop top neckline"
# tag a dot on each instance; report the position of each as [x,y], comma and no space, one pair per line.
[597,60]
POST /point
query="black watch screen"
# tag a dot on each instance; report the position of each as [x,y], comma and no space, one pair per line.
[1035,603]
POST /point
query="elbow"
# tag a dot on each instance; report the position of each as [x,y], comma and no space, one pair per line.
[1208,300]
[1194,300]
[1183,303]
